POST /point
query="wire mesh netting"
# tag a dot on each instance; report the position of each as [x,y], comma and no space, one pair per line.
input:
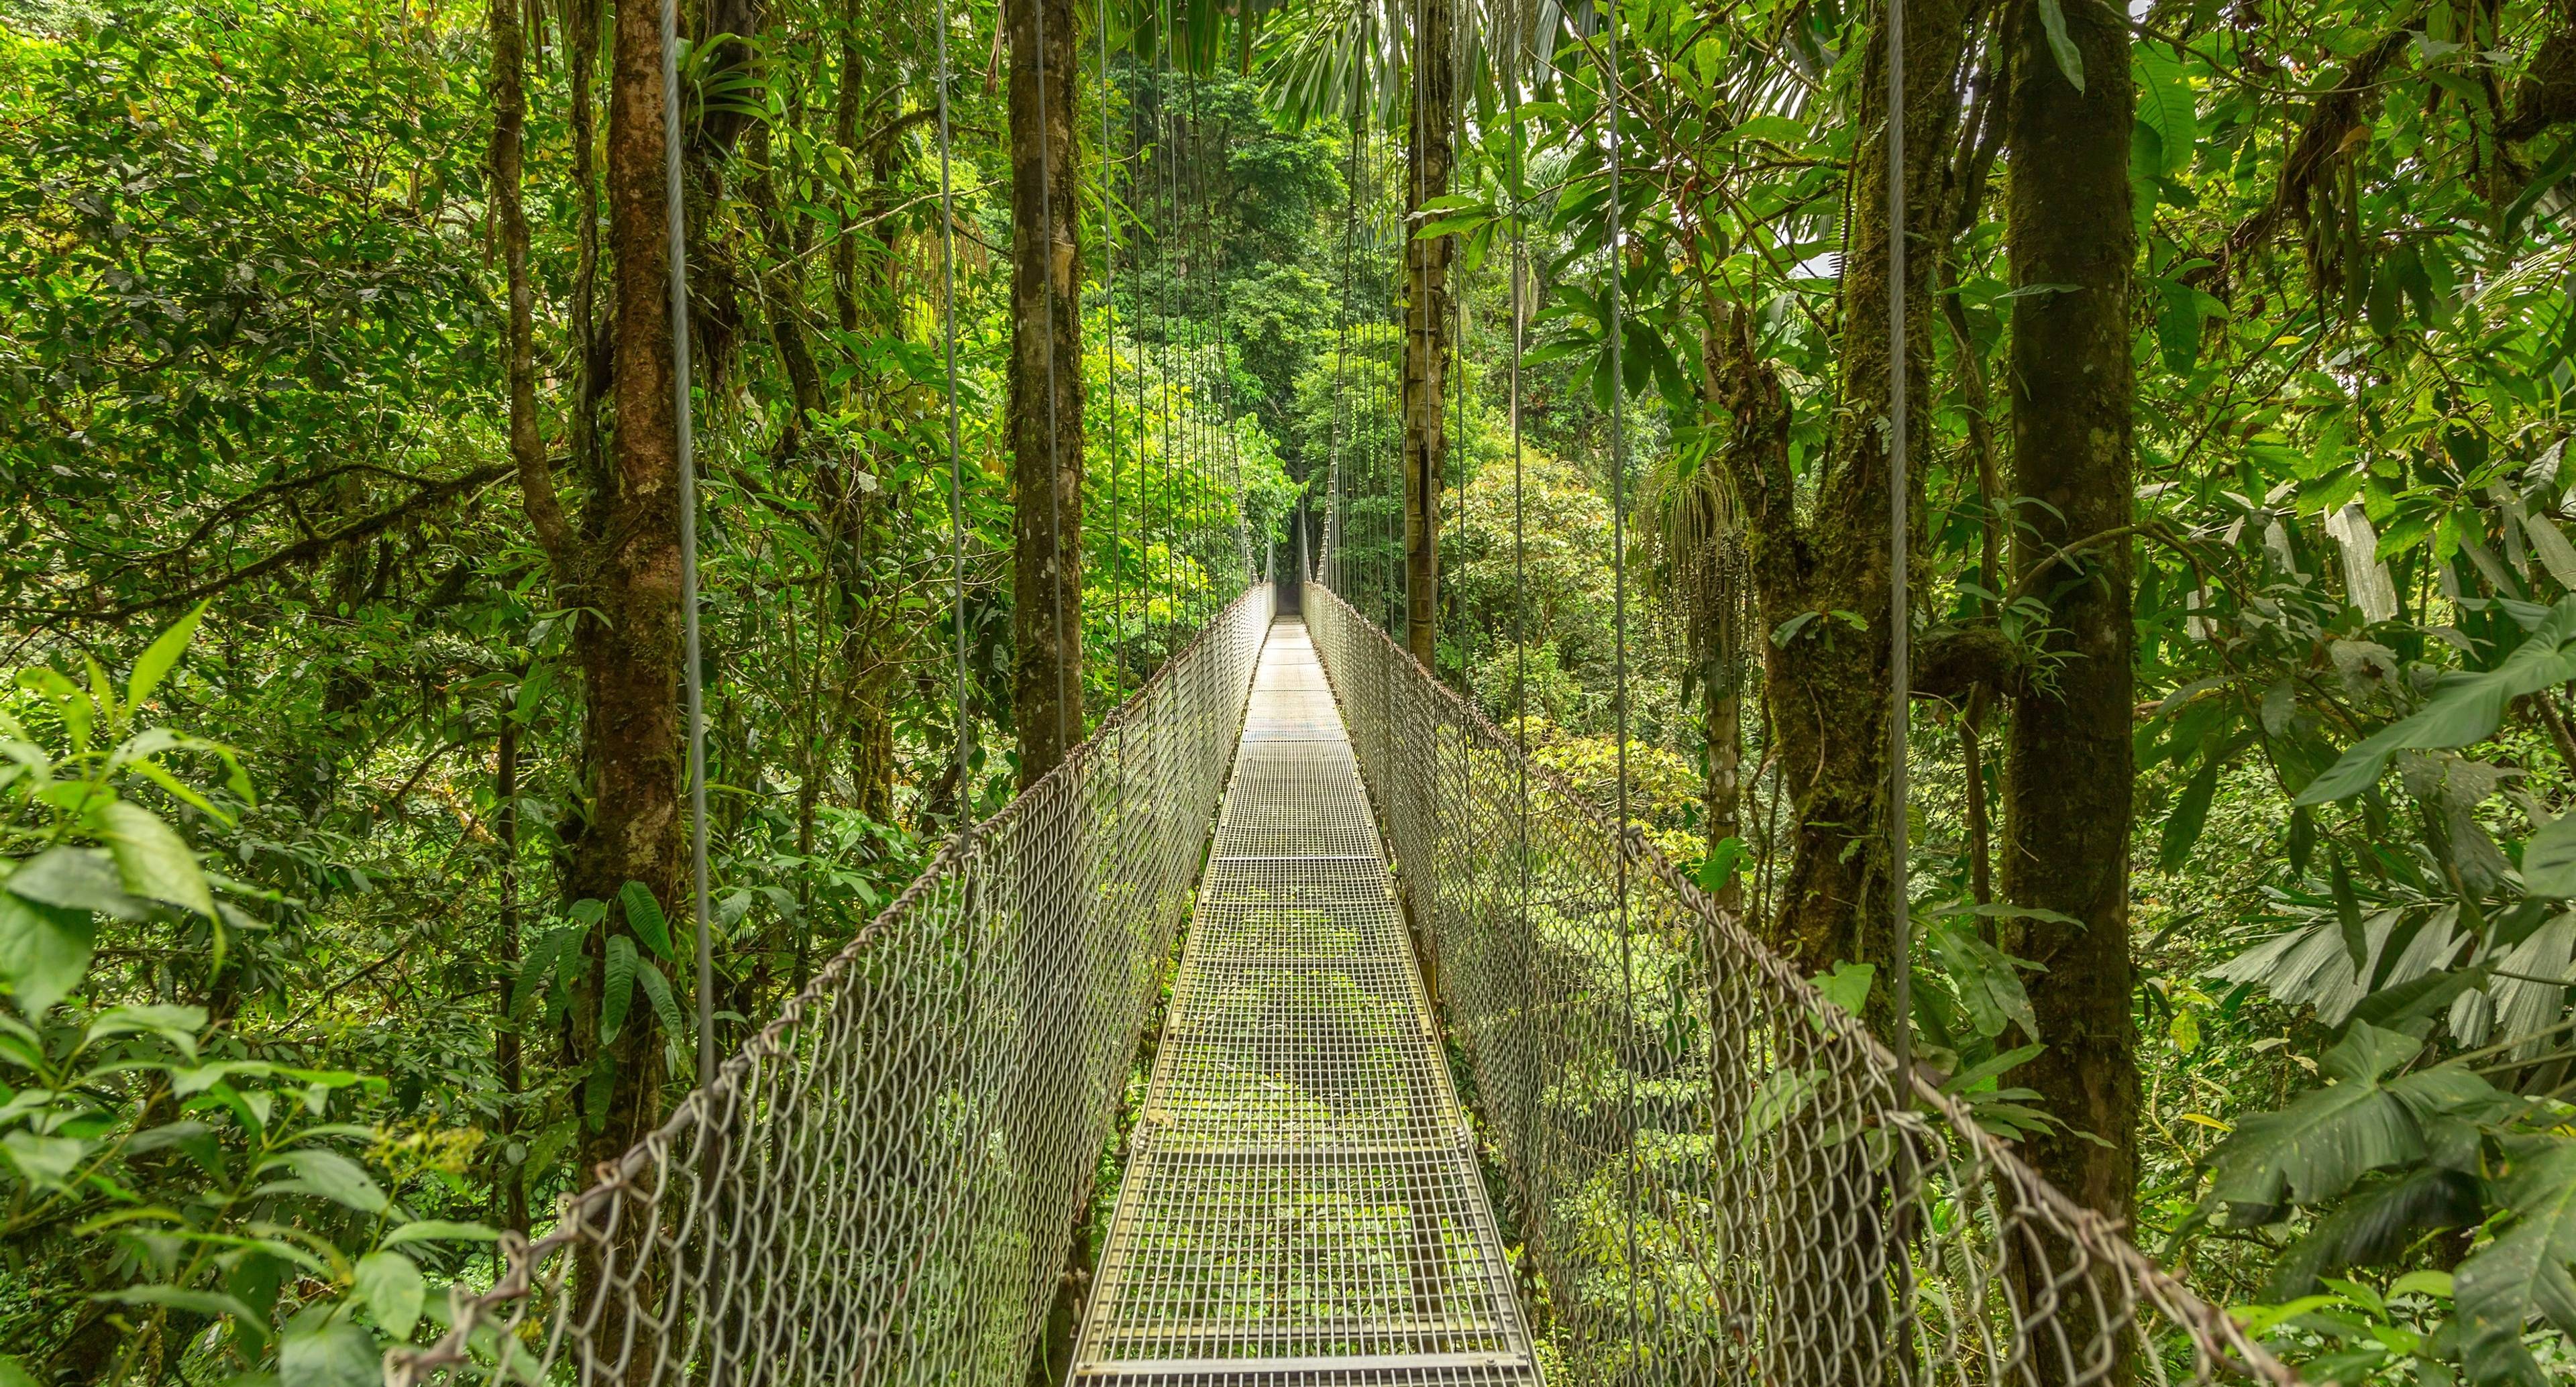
[1301,1201]
[881,1187]
[1708,1166]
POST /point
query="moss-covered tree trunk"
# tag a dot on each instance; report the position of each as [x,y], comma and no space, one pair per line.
[1426,326]
[1827,679]
[1046,445]
[628,571]
[623,560]
[1046,384]
[2067,760]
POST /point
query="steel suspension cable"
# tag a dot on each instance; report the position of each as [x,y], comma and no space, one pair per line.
[1619,658]
[1109,297]
[692,675]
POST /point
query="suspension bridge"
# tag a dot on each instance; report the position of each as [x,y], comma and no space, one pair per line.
[1661,1156]
[1454,1080]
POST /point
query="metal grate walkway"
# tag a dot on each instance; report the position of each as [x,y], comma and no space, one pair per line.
[1302,1203]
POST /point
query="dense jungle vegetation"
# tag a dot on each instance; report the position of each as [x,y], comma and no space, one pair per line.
[345,922]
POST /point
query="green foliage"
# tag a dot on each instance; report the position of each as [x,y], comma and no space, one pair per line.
[216,1177]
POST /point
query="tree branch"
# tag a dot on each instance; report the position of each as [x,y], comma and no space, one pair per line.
[301,552]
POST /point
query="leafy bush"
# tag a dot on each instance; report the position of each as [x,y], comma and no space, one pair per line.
[169,1194]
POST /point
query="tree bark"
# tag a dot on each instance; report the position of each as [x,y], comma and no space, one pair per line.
[1426,327]
[513,1177]
[1046,625]
[630,654]
[1723,732]
[1046,384]
[2067,759]
[1827,681]
[509,131]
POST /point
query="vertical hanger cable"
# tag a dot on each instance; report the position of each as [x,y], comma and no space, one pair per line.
[692,674]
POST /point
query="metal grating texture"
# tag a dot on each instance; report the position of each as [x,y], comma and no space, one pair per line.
[1709,1165]
[1302,1203]
[881,1187]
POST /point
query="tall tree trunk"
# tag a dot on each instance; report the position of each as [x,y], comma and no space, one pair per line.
[1426,327]
[630,654]
[536,480]
[1046,384]
[591,350]
[2067,760]
[1827,683]
[1046,626]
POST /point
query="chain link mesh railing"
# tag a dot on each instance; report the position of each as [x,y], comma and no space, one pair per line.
[1707,1163]
[881,1186]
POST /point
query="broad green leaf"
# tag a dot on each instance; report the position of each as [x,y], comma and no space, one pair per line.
[329,1175]
[45,1162]
[644,916]
[14,1373]
[1847,986]
[541,959]
[2326,1138]
[181,1298]
[178,1025]
[2436,1284]
[83,879]
[2524,1273]
[391,1285]
[1987,983]
[44,950]
[2549,859]
[151,858]
[1994,1067]
[2190,811]
[2463,709]
[323,1349]
[423,1230]
[1783,1095]
[2052,18]
[616,987]
[657,989]
[70,704]
[184,1082]
[2165,103]
[157,660]
[2178,327]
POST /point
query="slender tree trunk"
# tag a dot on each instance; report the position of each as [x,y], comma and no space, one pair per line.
[591,352]
[630,655]
[1426,328]
[1046,384]
[2067,760]
[536,479]
[1972,761]
[845,132]
[1723,728]
[505,1041]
